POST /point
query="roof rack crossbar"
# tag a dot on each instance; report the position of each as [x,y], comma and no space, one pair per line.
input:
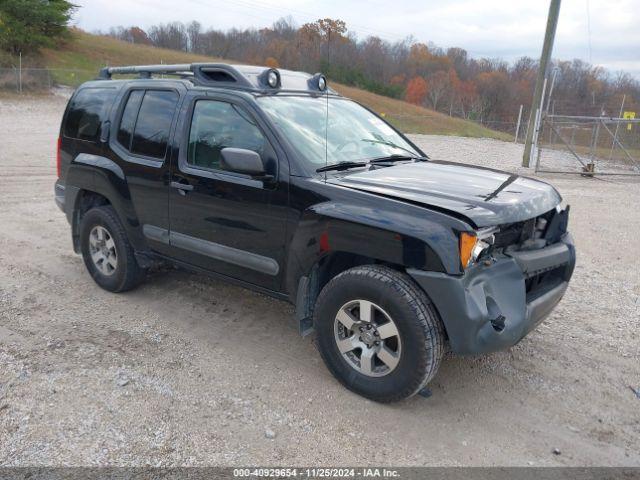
[107,72]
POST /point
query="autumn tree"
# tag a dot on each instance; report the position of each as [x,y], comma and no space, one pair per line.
[467,95]
[450,80]
[271,62]
[493,88]
[416,91]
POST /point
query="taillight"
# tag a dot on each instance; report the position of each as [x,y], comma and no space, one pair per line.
[58,157]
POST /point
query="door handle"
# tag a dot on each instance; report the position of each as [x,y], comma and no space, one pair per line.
[183,188]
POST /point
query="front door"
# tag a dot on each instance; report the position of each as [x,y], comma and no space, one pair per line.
[222,221]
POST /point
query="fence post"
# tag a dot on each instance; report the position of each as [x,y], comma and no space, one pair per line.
[615,137]
[518,124]
[20,73]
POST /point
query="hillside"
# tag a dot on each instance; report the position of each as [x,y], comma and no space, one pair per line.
[87,53]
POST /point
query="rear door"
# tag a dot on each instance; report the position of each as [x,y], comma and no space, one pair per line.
[141,143]
[225,222]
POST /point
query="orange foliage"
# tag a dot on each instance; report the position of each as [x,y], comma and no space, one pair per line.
[271,62]
[416,90]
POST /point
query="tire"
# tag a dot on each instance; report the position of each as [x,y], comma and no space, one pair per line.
[118,271]
[396,301]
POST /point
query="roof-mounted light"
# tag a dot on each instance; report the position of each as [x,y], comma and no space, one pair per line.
[270,78]
[318,82]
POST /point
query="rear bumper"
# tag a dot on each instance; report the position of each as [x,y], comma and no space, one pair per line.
[59,192]
[493,307]
[65,197]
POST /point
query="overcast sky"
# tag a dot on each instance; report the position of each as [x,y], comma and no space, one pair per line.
[485,28]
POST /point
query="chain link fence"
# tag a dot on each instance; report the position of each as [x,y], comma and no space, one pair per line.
[41,79]
[589,145]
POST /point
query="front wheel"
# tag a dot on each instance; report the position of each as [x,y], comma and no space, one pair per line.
[378,333]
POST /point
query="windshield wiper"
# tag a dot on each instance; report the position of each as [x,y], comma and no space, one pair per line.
[341,166]
[398,158]
[389,143]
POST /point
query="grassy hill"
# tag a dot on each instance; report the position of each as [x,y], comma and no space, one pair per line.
[80,59]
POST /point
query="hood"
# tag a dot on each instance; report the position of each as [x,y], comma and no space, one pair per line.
[484,196]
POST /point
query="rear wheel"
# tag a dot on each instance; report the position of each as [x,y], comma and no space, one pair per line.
[378,333]
[106,251]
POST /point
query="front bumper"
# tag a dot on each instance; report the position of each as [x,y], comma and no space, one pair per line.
[493,307]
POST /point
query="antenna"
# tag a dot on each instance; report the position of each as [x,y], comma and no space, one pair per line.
[326,118]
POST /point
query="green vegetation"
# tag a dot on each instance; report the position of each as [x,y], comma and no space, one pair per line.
[86,54]
[27,25]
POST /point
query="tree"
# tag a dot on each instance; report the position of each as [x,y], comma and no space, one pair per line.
[27,25]
[271,62]
[467,95]
[488,89]
[416,90]
[439,84]
[172,35]
[194,31]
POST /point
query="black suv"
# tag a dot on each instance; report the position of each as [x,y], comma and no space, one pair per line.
[269,179]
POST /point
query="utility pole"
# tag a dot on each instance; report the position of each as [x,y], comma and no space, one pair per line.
[536,104]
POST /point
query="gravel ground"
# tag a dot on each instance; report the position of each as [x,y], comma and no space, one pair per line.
[190,371]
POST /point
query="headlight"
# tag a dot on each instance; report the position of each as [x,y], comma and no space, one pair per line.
[472,244]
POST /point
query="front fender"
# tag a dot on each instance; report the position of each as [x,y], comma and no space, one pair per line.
[395,233]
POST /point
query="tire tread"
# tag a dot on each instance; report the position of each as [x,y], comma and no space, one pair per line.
[133,273]
[427,319]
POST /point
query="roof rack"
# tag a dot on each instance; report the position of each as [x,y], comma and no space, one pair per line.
[229,76]
[145,71]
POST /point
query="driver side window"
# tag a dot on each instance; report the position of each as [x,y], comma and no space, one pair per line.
[216,125]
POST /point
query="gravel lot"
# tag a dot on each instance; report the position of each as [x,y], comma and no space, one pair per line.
[190,371]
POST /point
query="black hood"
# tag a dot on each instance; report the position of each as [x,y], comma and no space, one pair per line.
[484,196]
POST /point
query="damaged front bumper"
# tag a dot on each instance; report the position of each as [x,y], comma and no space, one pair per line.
[493,306]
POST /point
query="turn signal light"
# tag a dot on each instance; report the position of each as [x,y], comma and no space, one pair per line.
[467,242]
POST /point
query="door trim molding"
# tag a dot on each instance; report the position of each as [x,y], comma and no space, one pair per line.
[235,256]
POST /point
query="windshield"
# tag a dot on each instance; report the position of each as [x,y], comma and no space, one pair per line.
[353,133]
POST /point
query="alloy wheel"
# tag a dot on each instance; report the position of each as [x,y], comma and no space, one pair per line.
[368,338]
[102,249]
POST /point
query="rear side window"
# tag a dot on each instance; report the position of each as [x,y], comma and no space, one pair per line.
[146,122]
[129,117]
[87,110]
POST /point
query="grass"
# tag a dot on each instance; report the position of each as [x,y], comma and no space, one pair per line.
[411,118]
[81,58]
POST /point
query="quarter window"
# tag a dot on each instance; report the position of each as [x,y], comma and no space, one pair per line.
[86,112]
[146,122]
[216,125]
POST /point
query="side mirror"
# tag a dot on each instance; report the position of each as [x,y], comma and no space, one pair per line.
[241,160]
